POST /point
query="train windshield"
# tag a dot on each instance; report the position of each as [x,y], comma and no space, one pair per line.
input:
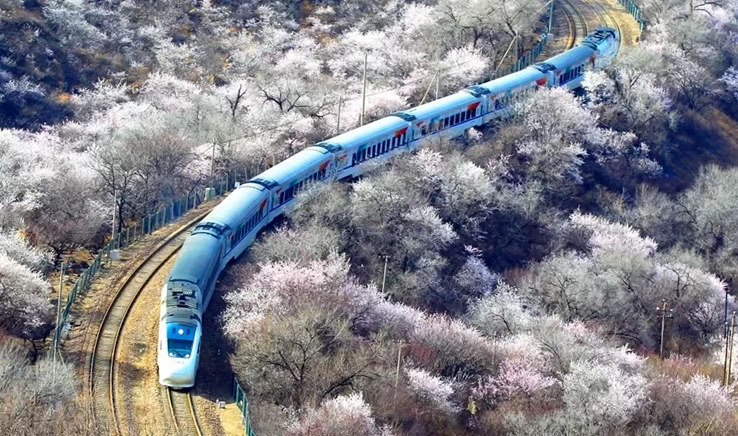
[180,338]
[180,348]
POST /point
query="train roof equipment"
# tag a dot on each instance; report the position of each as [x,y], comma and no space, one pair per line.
[510,81]
[195,260]
[237,206]
[361,135]
[436,107]
[292,167]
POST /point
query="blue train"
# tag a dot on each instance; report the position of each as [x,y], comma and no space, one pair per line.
[229,229]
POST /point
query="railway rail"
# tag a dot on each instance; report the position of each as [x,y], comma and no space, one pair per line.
[606,17]
[103,376]
[578,27]
[182,412]
[585,15]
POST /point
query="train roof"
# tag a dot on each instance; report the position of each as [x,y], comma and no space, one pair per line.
[437,106]
[509,81]
[360,135]
[237,205]
[600,34]
[195,260]
[291,167]
[570,58]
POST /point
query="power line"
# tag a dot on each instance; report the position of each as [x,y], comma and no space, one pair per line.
[341,100]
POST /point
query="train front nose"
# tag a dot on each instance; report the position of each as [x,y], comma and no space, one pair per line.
[177,373]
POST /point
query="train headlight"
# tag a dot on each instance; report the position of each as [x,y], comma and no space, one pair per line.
[171,354]
[187,356]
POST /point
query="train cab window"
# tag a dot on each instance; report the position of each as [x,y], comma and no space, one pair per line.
[179,348]
[180,339]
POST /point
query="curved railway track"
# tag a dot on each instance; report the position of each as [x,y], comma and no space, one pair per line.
[103,378]
[182,412]
[606,17]
[578,27]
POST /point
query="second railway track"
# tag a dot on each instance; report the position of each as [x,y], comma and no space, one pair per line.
[103,377]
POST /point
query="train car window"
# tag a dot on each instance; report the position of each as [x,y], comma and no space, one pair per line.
[424,130]
[463,117]
[456,119]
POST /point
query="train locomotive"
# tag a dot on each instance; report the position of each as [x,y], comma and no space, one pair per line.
[231,227]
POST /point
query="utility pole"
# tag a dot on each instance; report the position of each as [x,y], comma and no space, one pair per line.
[429,88]
[338,121]
[438,75]
[397,372]
[729,352]
[58,310]
[663,314]
[363,90]
[384,276]
[115,206]
[550,16]
[725,317]
[212,165]
[506,52]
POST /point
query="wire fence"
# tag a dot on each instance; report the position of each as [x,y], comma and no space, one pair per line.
[633,9]
[243,405]
[177,208]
